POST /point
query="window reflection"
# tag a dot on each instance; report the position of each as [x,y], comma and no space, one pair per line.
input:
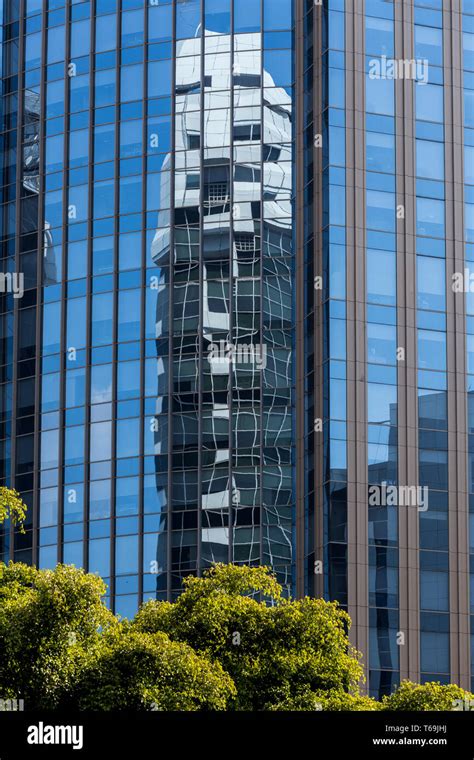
[232,274]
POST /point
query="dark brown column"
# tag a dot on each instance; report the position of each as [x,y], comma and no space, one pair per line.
[455,306]
[408,520]
[357,510]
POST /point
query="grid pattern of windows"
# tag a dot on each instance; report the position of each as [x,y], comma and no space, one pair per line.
[334,307]
[179,379]
[231,390]
[156,190]
[20,244]
[381,319]
[409,351]
[432,346]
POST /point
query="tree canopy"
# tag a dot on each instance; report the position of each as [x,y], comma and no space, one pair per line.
[12,507]
[229,642]
[136,671]
[276,651]
[430,696]
[48,619]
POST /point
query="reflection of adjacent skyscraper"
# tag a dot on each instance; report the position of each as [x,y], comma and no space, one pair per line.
[230,277]
[147,198]
[31,182]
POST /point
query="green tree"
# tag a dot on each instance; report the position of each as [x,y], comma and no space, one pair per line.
[280,654]
[430,696]
[335,700]
[230,641]
[61,647]
[141,671]
[48,618]
[12,506]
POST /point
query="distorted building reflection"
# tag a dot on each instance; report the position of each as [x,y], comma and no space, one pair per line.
[230,281]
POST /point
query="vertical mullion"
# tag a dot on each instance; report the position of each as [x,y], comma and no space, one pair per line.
[142,422]
[18,219]
[318,258]
[300,310]
[113,461]
[261,290]
[170,454]
[200,336]
[89,274]
[64,287]
[230,515]
[39,293]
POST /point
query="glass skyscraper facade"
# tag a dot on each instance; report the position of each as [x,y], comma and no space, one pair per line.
[230,234]
[148,166]
[383,171]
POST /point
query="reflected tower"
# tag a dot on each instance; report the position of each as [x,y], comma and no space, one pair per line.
[228,262]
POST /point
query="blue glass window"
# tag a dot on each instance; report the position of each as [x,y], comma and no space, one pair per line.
[431,283]
[48,557]
[382,403]
[246,16]
[104,143]
[130,138]
[430,217]
[51,328]
[33,50]
[54,153]
[74,445]
[132,28]
[379,36]
[380,210]
[381,277]
[80,38]
[106,33]
[126,496]
[429,44]
[380,152]
[277,14]
[430,159]
[379,96]
[429,102]
[130,194]
[131,82]
[99,557]
[76,323]
[50,392]
[56,44]
[79,93]
[434,649]
[104,87]
[100,441]
[128,437]
[102,319]
[48,507]
[129,315]
[159,78]
[104,198]
[381,343]
[128,379]
[101,383]
[434,590]
[159,22]
[99,499]
[432,349]
[126,554]
[49,449]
